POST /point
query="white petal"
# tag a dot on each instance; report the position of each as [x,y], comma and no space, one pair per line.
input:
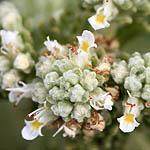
[88,36]
[29,133]
[13,97]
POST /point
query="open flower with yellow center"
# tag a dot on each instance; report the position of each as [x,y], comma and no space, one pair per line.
[132,110]
[127,122]
[42,117]
[86,41]
[32,129]
[20,92]
[100,19]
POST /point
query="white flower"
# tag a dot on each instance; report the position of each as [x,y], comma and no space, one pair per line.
[54,46]
[8,37]
[18,93]
[99,20]
[70,128]
[132,110]
[32,129]
[42,116]
[128,122]
[11,41]
[103,101]
[86,41]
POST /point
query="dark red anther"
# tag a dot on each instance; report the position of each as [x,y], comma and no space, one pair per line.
[33,118]
[35,114]
[28,116]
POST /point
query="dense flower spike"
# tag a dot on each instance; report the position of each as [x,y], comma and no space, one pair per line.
[79,85]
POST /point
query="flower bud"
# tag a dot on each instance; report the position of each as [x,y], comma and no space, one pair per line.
[10,79]
[78,94]
[39,93]
[62,108]
[91,78]
[57,94]
[24,62]
[4,64]
[50,79]
[62,65]
[81,111]
[132,83]
[44,66]
[146,92]
[119,71]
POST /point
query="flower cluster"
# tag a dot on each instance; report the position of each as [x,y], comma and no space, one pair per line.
[15,58]
[70,89]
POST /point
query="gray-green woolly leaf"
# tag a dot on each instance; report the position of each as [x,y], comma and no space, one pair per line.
[78,94]
[88,80]
[62,108]
[146,92]
[10,79]
[39,93]
[50,79]
[81,111]
[44,66]
[132,83]
[119,71]
[62,65]
[58,94]
[71,77]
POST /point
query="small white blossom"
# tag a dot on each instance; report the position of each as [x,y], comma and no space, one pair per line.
[100,19]
[54,47]
[8,37]
[20,92]
[33,128]
[11,41]
[86,41]
[128,122]
[70,128]
[103,101]
[132,110]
